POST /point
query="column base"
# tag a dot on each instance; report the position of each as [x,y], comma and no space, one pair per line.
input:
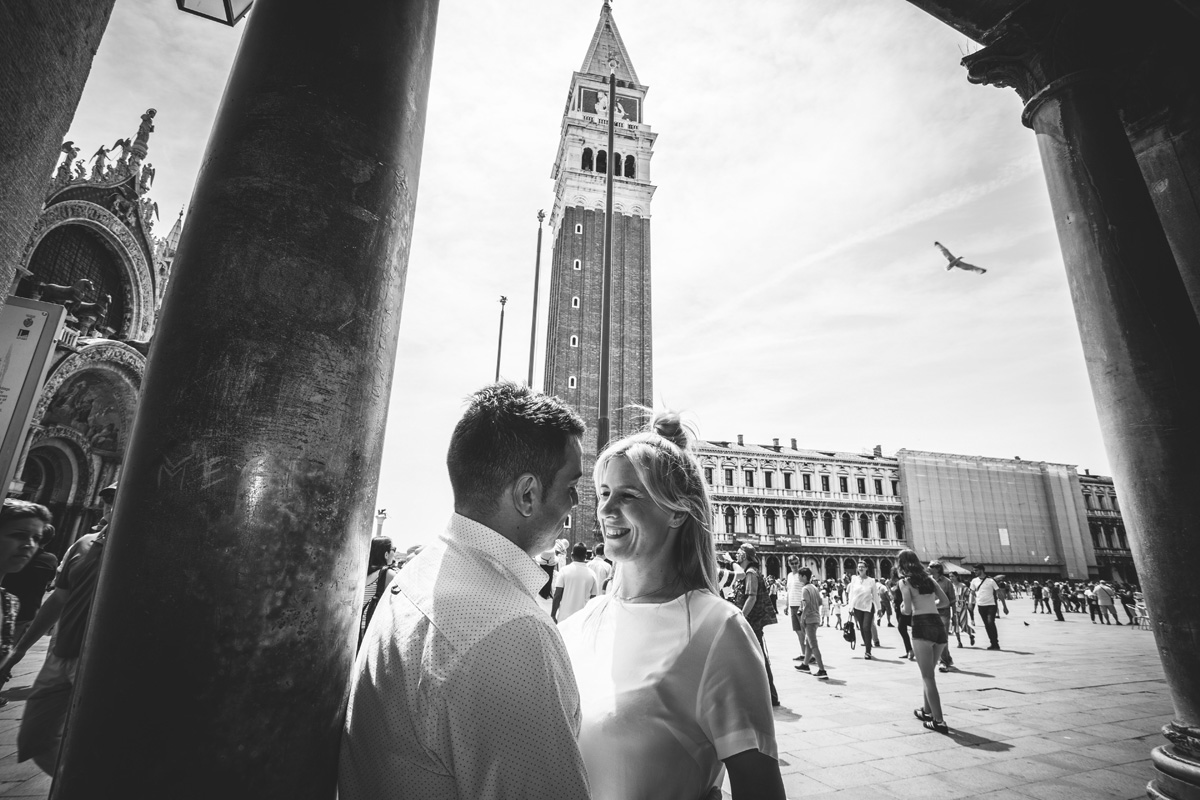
[1176,766]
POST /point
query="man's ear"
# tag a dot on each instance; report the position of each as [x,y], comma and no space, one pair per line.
[526,493]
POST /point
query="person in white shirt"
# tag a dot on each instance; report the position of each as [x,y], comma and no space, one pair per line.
[795,589]
[463,687]
[574,586]
[862,605]
[676,682]
[600,567]
[986,593]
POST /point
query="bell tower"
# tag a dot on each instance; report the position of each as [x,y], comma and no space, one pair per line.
[577,231]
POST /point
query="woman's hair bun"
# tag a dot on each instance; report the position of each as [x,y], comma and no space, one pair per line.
[669,425]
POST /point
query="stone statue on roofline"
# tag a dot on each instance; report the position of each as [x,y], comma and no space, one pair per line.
[101,166]
[122,164]
[147,179]
[64,171]
[141,142]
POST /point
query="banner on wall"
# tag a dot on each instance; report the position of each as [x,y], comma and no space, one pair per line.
[28,330]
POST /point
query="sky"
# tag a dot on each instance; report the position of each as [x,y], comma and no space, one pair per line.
[809,153]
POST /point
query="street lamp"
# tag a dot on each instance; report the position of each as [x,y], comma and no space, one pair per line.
[226,11]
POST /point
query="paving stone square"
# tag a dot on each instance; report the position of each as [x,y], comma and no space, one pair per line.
[1065,711]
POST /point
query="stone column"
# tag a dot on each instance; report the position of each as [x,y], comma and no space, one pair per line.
[1140,333]
[220,646]
[46,51]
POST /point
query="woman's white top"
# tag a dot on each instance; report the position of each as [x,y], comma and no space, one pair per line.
[667,692]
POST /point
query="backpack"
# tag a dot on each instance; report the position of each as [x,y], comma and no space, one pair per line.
[763,613]
[848,633]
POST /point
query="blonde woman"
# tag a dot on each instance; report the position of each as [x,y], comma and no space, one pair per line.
[674,680]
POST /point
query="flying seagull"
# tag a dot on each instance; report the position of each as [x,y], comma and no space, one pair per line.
[956,261]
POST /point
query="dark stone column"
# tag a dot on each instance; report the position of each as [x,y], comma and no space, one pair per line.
[46,51]
[223,633]
[1140,333]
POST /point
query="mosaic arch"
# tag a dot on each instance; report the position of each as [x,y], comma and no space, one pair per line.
[136,278]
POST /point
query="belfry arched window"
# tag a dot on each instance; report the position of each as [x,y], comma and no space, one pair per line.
[899,527]
[828,520]
[586,163]
[770,517]
[864,525]
[730,519]
[808,524]
[789,522]
[881,521]
[751,522]
[617,164]
[847,525]
[601,161]
[630,167]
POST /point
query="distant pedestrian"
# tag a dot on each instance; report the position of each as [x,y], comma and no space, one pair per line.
[938,572]
[1056,599]
[379,575]
[962,617]
[1125,595]
[601,567]
[923,599]
[862,602]
[573,586]
[1040,606]
[835,607]
[1106,601]
[810,618]
[903,621]
[793,594]
[987,593]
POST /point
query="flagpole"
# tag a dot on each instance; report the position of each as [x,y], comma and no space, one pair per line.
[500,340]
[537,271]
[602,424]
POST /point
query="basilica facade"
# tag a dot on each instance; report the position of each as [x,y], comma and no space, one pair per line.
[95,251]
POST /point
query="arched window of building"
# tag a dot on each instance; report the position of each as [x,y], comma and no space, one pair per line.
[850,566]
[881,521]
[864,525]
[574,302]
[1103,501]
[630,167]
[899,527]
[1097,536]
[770,517]
[730,519]
[1122,542]
[789,522]
[885,568]
[586,163]
[751,522]
[571,382]
[847,525]
[601,161]
[808,524]
[1087,500]
[617,164]
[1113,499]
[574,341]
[828,520]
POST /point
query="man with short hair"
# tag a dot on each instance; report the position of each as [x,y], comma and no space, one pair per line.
[862,604]
[810,617]
[938,572]
[463,687]
[1105,597]
[987,592]
[601,567]
[574,586]
[67,610]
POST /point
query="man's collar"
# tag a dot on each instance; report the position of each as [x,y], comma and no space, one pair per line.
[469,533]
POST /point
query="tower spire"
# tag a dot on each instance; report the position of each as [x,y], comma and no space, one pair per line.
[607,45]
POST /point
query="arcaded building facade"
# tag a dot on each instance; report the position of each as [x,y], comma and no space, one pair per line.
[1023,519]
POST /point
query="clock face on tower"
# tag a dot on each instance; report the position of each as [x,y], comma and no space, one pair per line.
[595,101]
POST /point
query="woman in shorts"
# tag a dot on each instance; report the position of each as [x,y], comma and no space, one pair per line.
[922,598]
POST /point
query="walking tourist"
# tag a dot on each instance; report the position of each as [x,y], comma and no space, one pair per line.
[66,610]
[601,567]
[1039,602]
[1106,601]
[750,595]
[574,586]
[923,599]
[677,685]
[862,604]
[462,687]
[938,573]
[810,619]
[23,531]
[903,621]
[986,594]
[793,592]
[1125,595]
[30,584]
[962,617]
[884,599]
[835,607]
[1056,599]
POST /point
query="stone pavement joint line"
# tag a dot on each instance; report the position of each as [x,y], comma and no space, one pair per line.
[1066,711]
